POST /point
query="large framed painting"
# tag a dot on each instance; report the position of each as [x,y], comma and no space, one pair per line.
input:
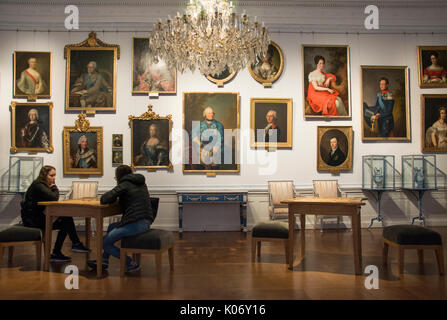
[151,141]
[211,122]
[385,103]
[224,77]
[326,81]
[149,78]
[271,123]
[432,66]
[334,148]
[434,122]
[83,148]
[268,69]
[31,127]
[32,74]
[90,82]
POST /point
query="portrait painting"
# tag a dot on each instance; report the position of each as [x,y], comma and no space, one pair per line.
[326,81]
[385,103]
[32,74]
[117,140]
[432,66]
[91,75]
[434,122]
[151,141]
[334,148]
[224,77]
[31,127]
[271,123]
[83,151]
[117,157]
[211,121]
[150,77]
[267,69]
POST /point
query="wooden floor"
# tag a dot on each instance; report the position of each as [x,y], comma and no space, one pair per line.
[217,265]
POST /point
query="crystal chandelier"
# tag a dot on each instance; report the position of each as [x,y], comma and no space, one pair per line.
[209,36]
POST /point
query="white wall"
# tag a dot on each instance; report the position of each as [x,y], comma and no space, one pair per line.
[298,164]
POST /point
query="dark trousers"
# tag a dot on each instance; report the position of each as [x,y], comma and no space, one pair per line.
[65,225]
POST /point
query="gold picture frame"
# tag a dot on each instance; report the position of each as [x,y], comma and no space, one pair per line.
[144,81]
[100,59]
[433,108]
[269,112]
[396,98]
[159,130]
[83,148]
[222,78]
[225,106]
[117,140]
[339,68]
[31,135]
[269,74]
[341,158]
[432,75]
[32,79]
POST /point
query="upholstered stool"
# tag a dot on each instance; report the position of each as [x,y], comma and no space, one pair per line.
[269,231]
[17,235]
[154,241]
[412,237]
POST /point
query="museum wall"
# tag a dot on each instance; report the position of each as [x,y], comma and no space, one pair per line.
[298,163]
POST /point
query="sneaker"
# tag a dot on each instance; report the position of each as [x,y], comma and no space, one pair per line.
[59,257]
[132,267]
[92,264]
[79,248]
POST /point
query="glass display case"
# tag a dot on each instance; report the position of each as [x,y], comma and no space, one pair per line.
[22,172]
[419,172]
[378,172]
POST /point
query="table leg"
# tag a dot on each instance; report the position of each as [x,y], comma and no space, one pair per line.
[291,236]
[357,241]
[303,235]
[48,233]
[99,228]
[87,234]
[180,219]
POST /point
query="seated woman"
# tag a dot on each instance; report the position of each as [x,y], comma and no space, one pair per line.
[322,99]
[45,189]
[137,216]
[434,73]
[153,151]
[436,135]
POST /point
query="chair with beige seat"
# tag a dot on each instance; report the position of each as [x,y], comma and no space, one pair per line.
[327,189]
[279,191]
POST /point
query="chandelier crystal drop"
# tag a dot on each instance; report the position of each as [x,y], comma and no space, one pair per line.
[209,37]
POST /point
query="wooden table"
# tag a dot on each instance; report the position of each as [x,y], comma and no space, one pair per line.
[328,207]
[88,208]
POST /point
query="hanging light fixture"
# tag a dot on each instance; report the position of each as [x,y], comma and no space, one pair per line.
[209,37]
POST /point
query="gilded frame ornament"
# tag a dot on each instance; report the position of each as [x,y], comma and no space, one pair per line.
[222,78]
[45,73]
[275,104]
[138,90]
[431,105]
[276,53]
[150,117]
[344,135]
[395,87]
[205,98]
[425,60]
[101,99]
[19,138]
[338,65]
[73,152]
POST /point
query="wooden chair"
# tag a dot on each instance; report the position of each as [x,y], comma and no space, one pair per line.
[279,191]
[154,241]
[272,231]
[327,189]
[15,235]
[412,237]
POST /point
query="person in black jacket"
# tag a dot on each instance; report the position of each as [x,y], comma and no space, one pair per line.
[45,189]
[137,216]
